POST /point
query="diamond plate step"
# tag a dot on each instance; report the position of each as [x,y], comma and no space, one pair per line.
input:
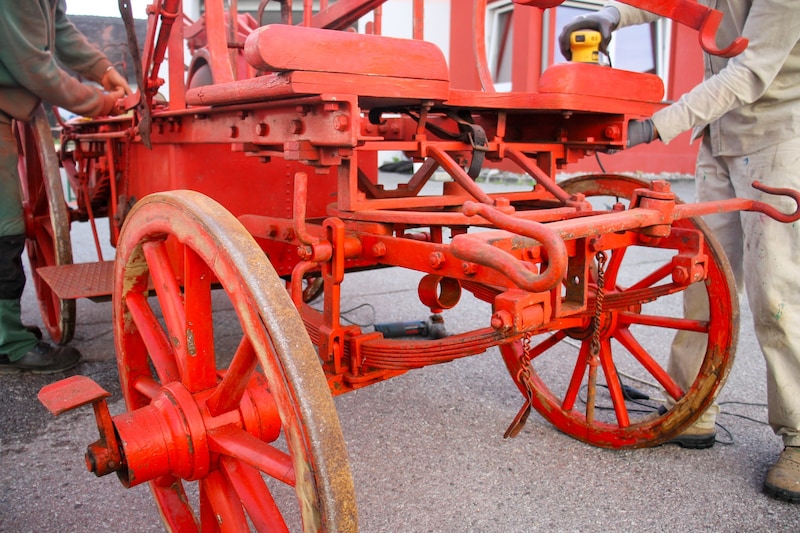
[80,280]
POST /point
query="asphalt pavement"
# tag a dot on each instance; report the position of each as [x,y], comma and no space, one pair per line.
[426,449]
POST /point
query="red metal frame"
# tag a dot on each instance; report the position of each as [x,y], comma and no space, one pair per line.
[287,141]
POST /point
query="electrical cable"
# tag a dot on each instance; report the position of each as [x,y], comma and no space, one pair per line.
[343,315]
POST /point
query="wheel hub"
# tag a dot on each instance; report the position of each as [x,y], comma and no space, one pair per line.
[170,435]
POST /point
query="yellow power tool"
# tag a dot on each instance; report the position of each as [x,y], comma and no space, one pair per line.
[585,46]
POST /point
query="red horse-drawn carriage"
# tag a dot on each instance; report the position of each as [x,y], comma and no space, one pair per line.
[257,176]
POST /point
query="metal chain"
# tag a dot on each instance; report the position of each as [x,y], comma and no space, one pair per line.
[594,343]
[523,377]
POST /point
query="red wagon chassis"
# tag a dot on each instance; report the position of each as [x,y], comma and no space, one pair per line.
[259,174]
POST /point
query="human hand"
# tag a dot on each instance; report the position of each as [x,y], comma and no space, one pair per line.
[113,81]
[605,21]
[110,103]
[641,132]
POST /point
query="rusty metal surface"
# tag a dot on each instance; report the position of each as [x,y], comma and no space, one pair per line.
[266,166]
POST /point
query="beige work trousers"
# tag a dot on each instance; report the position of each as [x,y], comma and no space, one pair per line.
[764,256]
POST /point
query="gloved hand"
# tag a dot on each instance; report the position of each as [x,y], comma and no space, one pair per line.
[605,21]
[641,132]
[110,108]
[113,81]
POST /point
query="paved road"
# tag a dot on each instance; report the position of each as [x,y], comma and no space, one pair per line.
[426,449]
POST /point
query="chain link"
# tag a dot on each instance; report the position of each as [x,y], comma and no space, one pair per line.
[594,343]
[524,373]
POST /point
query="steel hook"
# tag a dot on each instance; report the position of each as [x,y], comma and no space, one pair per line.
[770,211]
[708,37]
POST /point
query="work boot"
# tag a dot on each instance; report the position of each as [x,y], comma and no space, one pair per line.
[783,479]
[699,436]
[43,358]
[695,438]
[35,331]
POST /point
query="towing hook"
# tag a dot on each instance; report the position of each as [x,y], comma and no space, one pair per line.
[772,212]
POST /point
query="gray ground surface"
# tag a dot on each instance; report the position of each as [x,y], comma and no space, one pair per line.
[426,449]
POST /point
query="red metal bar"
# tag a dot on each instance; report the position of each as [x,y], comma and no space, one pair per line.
[703,19]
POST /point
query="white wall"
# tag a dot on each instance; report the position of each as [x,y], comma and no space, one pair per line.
[397,22]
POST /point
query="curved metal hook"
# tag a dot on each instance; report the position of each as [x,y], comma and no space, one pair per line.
[467,248]
[541,4]
[770,211]
[703,19]
[708,37]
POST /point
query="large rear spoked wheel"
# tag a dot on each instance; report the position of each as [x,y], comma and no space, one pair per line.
[47,222]
[257,441]
[617,392]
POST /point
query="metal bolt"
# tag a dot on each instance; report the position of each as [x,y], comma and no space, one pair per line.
[234,132]
[262,130]
[659,186]
[470,269]
[379,249]
[305,253]
[612,132]
[341,122]
[680,274]
[296,127]
[436,260]
[502,320]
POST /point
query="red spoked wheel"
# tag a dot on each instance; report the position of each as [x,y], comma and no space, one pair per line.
[47,221]
[230,434]
[636,402]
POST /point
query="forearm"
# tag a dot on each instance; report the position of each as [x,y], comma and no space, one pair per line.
[631,16]
[773,31]
[24,53]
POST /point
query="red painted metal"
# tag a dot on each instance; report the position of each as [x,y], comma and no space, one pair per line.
[285,139]
[703,19]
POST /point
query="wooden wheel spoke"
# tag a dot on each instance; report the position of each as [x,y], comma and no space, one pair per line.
[546,344]
[654,277]
[147,386]
[165,283]
[683,324]
[613,383]
[613,266]
[239,444]
[574,387]
[39,204]
[626,338]
[221,508]
[200,371]
[154,338]
[169,494]
[229,392]
[254,495]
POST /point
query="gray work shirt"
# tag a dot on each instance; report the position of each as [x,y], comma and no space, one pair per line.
[747,102]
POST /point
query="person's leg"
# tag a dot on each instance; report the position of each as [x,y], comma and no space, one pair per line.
[772,254]
[712,182]
[20,349]
[15,340]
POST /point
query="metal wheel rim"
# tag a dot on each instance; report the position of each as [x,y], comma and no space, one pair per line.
[653,430]
[48,240]
[324,485]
